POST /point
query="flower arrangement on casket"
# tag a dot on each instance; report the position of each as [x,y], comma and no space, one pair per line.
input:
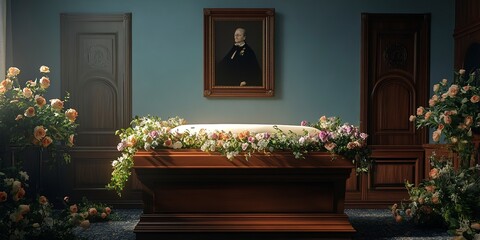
[26,118]
[149,133]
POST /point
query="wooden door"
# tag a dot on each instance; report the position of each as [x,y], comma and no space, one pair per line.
[395,80]
[96,71]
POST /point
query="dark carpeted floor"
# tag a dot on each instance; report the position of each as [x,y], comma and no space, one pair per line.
[369,223]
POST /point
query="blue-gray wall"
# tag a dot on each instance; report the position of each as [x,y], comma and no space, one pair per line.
[317,54]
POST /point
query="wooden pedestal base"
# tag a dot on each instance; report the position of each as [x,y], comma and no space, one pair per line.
[196,195]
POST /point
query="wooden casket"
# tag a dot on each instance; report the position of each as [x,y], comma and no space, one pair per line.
[190,194]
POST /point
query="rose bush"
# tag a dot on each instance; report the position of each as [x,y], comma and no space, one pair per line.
[27,119]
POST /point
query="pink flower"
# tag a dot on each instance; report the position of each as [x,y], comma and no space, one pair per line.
[42,200]
[430,188]
[108,210]
[73,208]
[475,99]
[46,141]
[103,215]
[436,87]
[447,119]
[433,173]
[27,92]
[420,111]
[304,123]
[428,115]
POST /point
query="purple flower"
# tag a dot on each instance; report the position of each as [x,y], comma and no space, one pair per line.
[304,123]
[324,136]
[266,135]
[363,136]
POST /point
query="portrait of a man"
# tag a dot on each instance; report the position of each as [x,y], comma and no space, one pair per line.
[239,67]
[239,52]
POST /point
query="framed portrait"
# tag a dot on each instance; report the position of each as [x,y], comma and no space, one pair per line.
[239,52]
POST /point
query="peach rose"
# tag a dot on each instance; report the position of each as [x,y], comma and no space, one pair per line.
[475,99]
[131,140]
[428,115]
[46,141]
[56,104]
[447,119]
[430,188]
[108,210]
[103,215]
[7,84]
[32,83]
[421,200]
[453,90]
[466,88]
[40,101]
[436,87]
[73,208]
[420,111]
[13,71]
[30,112]
[42,200]
[408,212]
[440,127]
[85,224]
[19,117]
[398,218]
[39,132]
[444,81]
[71,114]
[2,89]
[412,118]
[435,200]
[468,120]
[44,82]
[431,103]
[3,196]
[19,195]
[436,135]
[330,146]
[27,92]
[92,211]
[351,145]
[433,173]
[461,71]
[322,119]
[23,209]
[44,69]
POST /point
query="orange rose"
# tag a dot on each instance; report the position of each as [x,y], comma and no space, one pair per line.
[2,89]
[330,146]
[435,200]
[30,112]
[398,218]
[431,102]
[103,215]
[56,104]
[46,141]
[40,101]
[3,196]
[428,115]
[475,226]
[44,82]
[447,119]
[71,114]
[23,209]
[39,132]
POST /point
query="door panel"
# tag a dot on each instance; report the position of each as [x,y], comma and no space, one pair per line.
[96,71]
